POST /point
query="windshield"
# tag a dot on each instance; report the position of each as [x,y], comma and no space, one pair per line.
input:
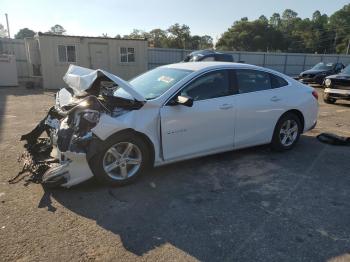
[323,66]
[155,82]
[346,70]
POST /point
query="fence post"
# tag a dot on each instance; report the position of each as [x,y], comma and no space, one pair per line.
[304,62]
[285,64]
[264,62]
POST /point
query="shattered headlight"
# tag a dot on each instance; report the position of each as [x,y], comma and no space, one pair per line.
[91,116]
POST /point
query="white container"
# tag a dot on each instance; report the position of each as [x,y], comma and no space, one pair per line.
[8,70]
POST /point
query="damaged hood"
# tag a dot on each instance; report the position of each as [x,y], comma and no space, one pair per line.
[80,79]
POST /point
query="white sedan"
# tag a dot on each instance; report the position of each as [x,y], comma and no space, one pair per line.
[106,127]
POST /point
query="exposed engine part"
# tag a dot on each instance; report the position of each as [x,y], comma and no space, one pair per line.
[45,125]
[64,138]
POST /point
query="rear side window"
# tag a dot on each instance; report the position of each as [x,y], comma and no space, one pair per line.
[252,80]
[277,81]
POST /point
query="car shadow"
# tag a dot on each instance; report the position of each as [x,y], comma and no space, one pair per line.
[207,207]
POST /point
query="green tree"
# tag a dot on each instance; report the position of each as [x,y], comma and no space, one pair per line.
[289,15]
[138,34]
[179,36]
[3,31]
[339,24]
[246,35]
[57,30]
[24,32]
[206,42]
[275,20]
[158,38]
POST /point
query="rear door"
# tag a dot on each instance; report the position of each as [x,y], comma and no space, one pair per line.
[205,127]
[99,58]
[260,103]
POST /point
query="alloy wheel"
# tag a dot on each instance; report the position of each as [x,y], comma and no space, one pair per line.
[122,160]
[288,132]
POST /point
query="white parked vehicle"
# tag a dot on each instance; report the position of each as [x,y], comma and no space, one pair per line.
[106,127]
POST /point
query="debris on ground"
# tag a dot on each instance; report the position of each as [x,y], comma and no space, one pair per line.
[35,162]
[333,139]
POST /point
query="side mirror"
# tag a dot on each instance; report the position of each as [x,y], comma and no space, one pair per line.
[182,100]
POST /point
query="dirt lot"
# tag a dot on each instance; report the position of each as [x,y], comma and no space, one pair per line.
[248,205]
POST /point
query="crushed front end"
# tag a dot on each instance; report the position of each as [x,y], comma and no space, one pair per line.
[61,158]
[68,139]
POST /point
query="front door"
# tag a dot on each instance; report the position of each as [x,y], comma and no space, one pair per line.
[207,126]
[99,56]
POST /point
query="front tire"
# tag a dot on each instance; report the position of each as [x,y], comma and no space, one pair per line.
[287,132]
[328,100]
[121,160]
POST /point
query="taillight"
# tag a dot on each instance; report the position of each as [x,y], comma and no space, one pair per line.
[315,94]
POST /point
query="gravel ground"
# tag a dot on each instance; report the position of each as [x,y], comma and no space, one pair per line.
[248,205]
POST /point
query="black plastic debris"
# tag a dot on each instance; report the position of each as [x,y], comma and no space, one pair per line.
[333,139]
[35,160]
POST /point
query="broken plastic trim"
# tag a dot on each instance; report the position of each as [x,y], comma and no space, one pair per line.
[333,139]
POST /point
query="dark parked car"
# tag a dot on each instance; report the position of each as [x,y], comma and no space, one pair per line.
[317,74]
[208,55]
[337,86]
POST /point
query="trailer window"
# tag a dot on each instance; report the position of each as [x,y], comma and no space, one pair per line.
[127,54]
[66,54]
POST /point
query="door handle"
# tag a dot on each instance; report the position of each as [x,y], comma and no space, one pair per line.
[275,99]
[226,106]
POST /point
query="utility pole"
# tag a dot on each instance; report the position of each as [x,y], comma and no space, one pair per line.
[335,41]
[8,27]
[347,50]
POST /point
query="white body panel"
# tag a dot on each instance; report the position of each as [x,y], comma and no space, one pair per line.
[207,125]
[213,125]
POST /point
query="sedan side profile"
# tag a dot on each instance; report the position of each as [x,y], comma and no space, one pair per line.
[106,127]
[317,74]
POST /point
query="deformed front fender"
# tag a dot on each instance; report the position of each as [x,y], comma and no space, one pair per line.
[144,124]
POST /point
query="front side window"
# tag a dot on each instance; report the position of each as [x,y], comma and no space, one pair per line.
[252,80]
[127,54]
[66,54]
[211,85]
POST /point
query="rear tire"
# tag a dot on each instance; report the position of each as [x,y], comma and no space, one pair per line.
[121,159]
[287,132]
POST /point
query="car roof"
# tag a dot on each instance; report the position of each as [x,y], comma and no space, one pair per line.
[197,66]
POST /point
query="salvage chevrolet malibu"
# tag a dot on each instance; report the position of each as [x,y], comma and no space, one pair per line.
[106,127]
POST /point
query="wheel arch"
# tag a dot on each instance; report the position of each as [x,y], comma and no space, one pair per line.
[94,147]
[296,112]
